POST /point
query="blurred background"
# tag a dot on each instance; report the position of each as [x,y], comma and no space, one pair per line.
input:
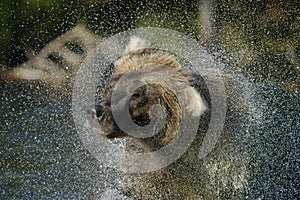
[259,38]
[43,42]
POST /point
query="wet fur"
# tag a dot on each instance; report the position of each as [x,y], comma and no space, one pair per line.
[220,175]
[139,57]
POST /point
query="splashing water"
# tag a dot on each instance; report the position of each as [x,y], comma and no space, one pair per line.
[46,155]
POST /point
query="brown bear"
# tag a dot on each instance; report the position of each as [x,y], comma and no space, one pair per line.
[219,175]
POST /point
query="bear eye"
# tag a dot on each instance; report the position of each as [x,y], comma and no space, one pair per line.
[136,95]
[138,100]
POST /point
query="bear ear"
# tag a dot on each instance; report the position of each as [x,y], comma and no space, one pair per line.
[136,45]
[194,102]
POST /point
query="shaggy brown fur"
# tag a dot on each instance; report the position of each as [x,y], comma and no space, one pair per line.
[220,175]
[140,58]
